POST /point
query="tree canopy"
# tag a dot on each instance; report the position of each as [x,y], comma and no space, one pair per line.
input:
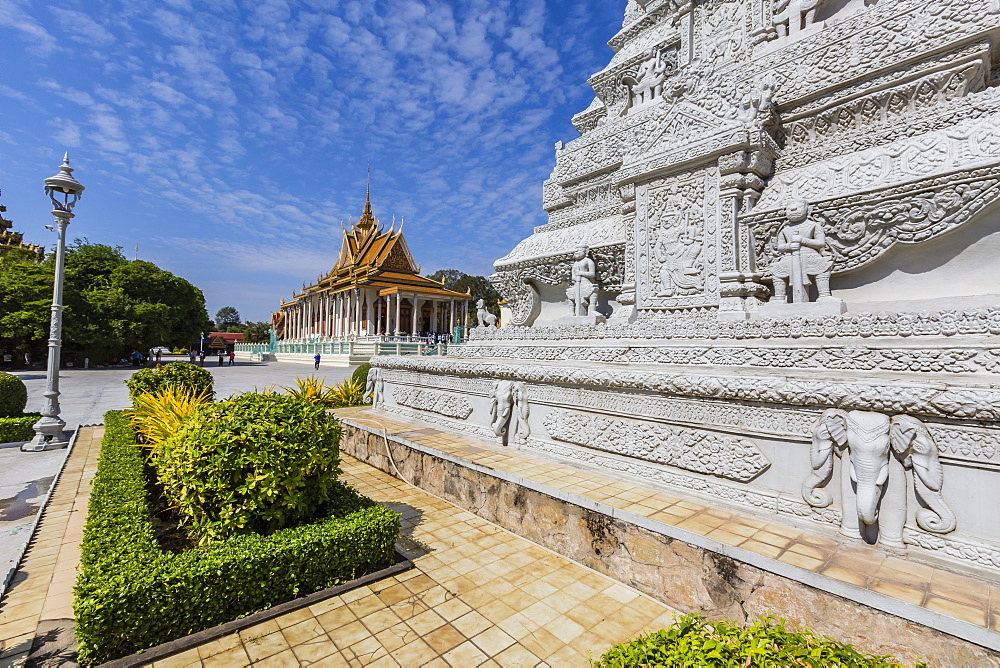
[477,286]
[226,319]
[112,306]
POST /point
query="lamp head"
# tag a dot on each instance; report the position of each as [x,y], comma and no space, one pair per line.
[63,189]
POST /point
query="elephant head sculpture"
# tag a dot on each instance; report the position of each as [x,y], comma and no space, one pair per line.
[876,451]
[375,386]
[509,412]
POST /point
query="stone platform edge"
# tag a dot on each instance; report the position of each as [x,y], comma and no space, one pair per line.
[958,630]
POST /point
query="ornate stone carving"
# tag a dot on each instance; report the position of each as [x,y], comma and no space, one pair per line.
[435,402]
[860,228]
[934,399]
[375,387]
[675,242]
[509,412]
[853,327]
[583,283]
[952,360]
[696,450]
[485,318]
[876,451]
[647,85]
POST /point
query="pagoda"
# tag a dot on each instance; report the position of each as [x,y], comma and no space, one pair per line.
[11,240]
[374,289]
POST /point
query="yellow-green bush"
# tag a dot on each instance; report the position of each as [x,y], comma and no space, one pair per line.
[131,594]
[694,642]
[171,374]
[254,463]
[157,415]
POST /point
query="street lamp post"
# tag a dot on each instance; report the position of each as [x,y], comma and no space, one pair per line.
[64,191]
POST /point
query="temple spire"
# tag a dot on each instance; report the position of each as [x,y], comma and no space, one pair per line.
[367,221]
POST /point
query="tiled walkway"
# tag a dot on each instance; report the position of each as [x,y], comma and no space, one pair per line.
[42,590]
[962,597]
[478,596]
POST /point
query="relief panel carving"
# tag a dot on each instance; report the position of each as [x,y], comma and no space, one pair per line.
[696,450]
[435,402]
[675,241]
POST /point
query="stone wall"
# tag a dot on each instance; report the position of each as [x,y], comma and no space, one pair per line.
[682,575]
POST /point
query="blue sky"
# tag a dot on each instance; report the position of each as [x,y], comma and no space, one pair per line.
[229,138]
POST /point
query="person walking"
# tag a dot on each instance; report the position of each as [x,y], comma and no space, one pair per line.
[232,357]
[201,357]
[192,354]
[159,354]
[316,362]
[221,355]
[136,358]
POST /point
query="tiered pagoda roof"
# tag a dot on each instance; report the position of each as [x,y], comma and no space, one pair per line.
[372,257]
[9,239]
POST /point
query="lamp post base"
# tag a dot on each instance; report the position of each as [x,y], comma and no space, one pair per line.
[49,435]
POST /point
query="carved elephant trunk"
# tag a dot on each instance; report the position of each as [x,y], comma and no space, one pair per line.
[868,435]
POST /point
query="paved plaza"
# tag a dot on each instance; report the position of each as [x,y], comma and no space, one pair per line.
[478,595]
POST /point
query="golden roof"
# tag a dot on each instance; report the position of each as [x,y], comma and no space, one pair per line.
[372,257]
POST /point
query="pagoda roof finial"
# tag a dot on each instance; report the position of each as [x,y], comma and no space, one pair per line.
[367,221]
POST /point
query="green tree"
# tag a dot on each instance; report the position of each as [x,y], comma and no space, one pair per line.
[477,286]
[253,332]
[25,301]
[227,319]
[118,306]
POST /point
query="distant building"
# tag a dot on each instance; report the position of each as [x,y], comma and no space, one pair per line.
[375,288]
[13,240]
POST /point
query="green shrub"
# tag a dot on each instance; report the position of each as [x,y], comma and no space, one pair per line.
[171,374]
[14,429]
[13,395]
[348,393]
[253,463]
[693,641]
[131,594]
[360,374]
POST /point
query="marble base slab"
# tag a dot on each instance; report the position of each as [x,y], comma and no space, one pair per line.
[822,306]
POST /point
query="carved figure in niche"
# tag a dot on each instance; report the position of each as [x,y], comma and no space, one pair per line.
[375,387]
[486,319]
[678,248]
[800,245]
[875,452]
[792,16]
[647,84]
[509,412]
[583,289]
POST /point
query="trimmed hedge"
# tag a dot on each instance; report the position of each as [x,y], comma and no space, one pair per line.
[171,374]
[286,450]
[131,594]
[13,395]
[14,429]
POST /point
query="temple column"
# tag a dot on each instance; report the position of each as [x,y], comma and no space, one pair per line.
[415,310]
[369,312]
[357,312]
[451,329]
[399,302]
